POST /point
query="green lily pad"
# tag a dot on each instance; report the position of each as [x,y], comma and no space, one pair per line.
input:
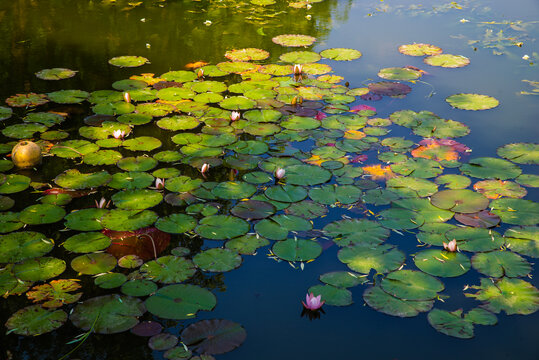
[411,186]
[423,206]
[180,301]
[447,60]
[217,260]
[246,244]
[128,220]
[128,61]
[221,227]
[307,209]
[453,181]
[401,219]
[481,219]
[501,263]
[139,287]
[142,143]
[129,85]
[451,323]
[87,242]
[9,221]
[419,49]
[286,193]
[381,258]
[381,301]
[68,96]
[139,163]
[5,113]
[331,194]
[514,296]
[293,40]
[108,314]
[139,199]
[441,128]
[134,119]
[300,57]
[23,131]
[40,269]
[442,263]
[306,175]
[19,246]
[412,285]
[494,189]
[178,122]
[481,316]
[74,179]
[523,240]
[341,54]
[168,269]
[277,227]
[356,231]
[42,214]
[247,54]
[332,295]
[472,101]
[110,280]
[131,180]
[379,197]
[27,100]
[419,168]
[85,219]
[342,279]
[71,149]
[154,109]
[34,320]
[297,250]
[56,293]
[491,168]
[113,108]
[253,209]
[216,336]
[14,183]
[463,201]
[45,118]
[521,153]
[176,223]
[102,157]
[237,103]
[516,211]
[95,263]
[234,190]
[399,73]
[182,184]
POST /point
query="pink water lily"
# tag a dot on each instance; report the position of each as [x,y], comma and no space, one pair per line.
[127,97]
[320,115]
[102,204]
[279,173]
[313,302]
[235,115]
[298,69]
[451,246]
[359,108]
[118,134]
[159,183]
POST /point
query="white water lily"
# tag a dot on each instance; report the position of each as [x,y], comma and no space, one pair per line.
[279,173]
[118,134]
[235,115]
[298,69]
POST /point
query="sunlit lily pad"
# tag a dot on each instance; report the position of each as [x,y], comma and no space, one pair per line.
[237,67]
[420,168]
[128,220]
[142,143]
[440,128]
[9,221]
[463,201]
[411,186]
[39,214]
[247,54]
[447,60]
[34,320]
[300,57]
[307,209]
[39,269]
[297,250]
[56,293]
[95,263]
[294,40]
[14,183]
[453,181]
[398,73]
[216,336]
[286,193]
[475,239]
[442,263]
[419,49]
[472,101]
[71,149]
[246,244]
[68,96]
[74,179]
[87,242]
[180,301]
[27,100]
[19,246]
[137,199]
[168,269]
[381,301]
[501,263]
[128,61]
[401,219]
[521,153]
[332,295]
[360,231]
[514,296]
[85,219]
[523,240]
[382,258]
[451,323]
[237,103]
[113,108]
[412,285]
[516,211]
[110,280]
[331,194]
[253,209]
[341,54]
[23,131]
[343,279]
[494,189]
[131,180]
[221,227]
[45,118]
[139,163]
[102,157]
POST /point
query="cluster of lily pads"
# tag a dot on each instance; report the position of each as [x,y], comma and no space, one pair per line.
[167,159]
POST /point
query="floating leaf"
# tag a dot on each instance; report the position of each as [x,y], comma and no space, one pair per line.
[381,301]
[442,263]
[332,295]
[472,101]
[381,258]
[447,60]
[463,201]
[27,100]
[168,269]
[501,263]
[341,54]
[494,189]
[215,336]
[293,40]
[127,220]
[398,73]
[221,227]
[401,219]
[39,269]
[41,214]
[128,61]
[419,49]
[300,57]
[516,211]
[180,301]
[217,260]
[521,153]
[56,293]
[74,179]
[19,246]
[34,320]
[412,285]
[68,96]
[451,323]
[87,242]
[297,250]
[247,54]
[482,219]
[92,264]
[389,88]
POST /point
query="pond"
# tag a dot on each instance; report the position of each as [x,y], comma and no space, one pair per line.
[380,154]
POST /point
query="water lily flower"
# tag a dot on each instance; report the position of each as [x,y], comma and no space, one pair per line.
[359,108]
[463,20]
[127,97]
[207,22]
[451,246]
[320,115]
[526,57]
[200,73]
[159,183]
[279,173]
[298,69]
[312,302]
[118,134]
[205,168]
[235,115]
[102,203]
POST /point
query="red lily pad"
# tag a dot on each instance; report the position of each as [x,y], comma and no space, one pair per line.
[389,88]
[481,219]
[146,243]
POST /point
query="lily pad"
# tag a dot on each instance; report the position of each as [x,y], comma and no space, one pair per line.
[307,209]
[516,211]
[341,54]
[176,223]
[277,227]
[297,250]
[128,220]
[234,190]
[34,320]
[412,285]
[5,113]
[401,219]
[332,295]
[342,279]
[74,179]
[253,209]
[39,269]
[246,244]
[306,175]
[300,57]
[221,227]
[442,263]
[360,231]
[451,323]
[381,301]
[481,219]
[42,214]
[447,60]
[87,242]
[419,49]
[180,301]
[19,246]
[168,269]
[56,293]
[95,263]
[472,101]
[523,240]
[332,194]
[398,73]
[463,201]
[381,258]
[521,153]
[514,296]
[85,219]
[216,336]
[501,263]
[247,54]
[293,40]
[128,61]
[108,314]
[68,96]
[217,260]
[27,100]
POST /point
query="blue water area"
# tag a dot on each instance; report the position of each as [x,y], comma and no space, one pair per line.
[264,295]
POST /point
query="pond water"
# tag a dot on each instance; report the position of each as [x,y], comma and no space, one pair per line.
[263,294]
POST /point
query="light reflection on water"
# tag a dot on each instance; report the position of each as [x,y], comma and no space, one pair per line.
[262,295]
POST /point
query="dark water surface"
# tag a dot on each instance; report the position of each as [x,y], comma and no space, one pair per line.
[263,295]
